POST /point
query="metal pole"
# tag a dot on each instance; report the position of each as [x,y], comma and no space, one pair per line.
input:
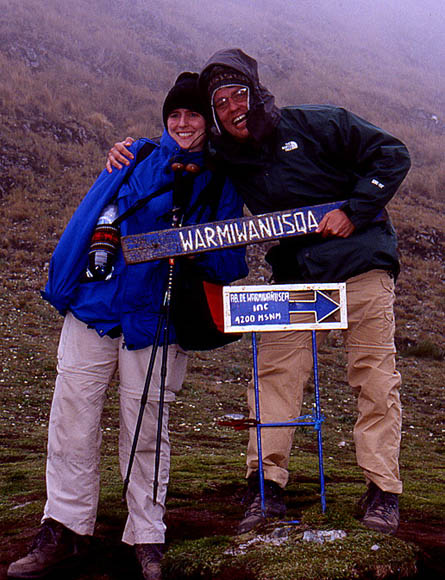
[179,197]
[163,324]
[318,422]
[258,424]
[143,402]
[167,303]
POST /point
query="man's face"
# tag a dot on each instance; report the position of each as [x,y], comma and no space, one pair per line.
[231,105]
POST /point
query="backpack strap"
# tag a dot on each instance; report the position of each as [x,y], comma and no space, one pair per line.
[142,154]
[146,150]
[210,196]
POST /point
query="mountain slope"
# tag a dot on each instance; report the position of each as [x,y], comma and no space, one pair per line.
[77,76]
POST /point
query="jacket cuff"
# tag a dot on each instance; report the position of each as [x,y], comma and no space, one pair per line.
[357,221]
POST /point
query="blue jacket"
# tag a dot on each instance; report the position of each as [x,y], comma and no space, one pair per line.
[131,300]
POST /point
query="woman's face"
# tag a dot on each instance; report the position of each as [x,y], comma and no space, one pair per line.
[187,128]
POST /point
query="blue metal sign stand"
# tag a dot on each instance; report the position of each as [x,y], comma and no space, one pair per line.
[272,308]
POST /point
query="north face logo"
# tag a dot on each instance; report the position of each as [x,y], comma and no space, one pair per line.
[290,146]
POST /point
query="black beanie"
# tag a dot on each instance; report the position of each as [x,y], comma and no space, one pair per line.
[183,95]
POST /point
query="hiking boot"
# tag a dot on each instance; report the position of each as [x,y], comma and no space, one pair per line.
[381,510]
[150,556]
[53,545]
[274,505]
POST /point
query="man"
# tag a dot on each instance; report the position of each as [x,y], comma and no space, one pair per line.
[298,156]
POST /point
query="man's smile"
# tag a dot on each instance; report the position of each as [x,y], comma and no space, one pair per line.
[239,119]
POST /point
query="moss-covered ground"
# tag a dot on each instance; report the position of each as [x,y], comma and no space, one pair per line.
[207,474]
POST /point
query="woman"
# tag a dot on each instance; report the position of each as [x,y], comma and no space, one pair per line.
[111,313]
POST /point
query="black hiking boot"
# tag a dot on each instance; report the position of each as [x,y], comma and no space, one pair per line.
[273,503]
[53,545]
[150,556]
[381,510]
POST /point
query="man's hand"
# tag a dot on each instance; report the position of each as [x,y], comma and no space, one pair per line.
[335,223]
[119,154]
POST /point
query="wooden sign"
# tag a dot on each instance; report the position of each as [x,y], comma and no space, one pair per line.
[224,234]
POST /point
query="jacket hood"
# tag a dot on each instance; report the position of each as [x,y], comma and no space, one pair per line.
[263,114]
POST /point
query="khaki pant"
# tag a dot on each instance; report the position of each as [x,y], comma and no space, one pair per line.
[284,366]
[86,364]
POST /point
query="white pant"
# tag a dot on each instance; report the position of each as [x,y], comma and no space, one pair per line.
[86,364]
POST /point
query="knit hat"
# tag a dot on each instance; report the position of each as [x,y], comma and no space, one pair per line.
[221,76]
[183,95]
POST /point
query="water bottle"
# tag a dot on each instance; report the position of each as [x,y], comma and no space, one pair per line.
[103,247]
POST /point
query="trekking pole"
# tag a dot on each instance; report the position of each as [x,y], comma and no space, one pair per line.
[166,308]
[163,324]
[143,403]
[179,191]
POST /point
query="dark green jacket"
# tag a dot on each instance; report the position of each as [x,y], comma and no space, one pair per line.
[310,155]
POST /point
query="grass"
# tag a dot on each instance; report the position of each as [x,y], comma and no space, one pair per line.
[425,349]
[208,464]
[352,557]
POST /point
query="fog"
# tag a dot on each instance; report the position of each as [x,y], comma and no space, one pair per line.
[381,39]
[416,27]
[307,50]
[419,25]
